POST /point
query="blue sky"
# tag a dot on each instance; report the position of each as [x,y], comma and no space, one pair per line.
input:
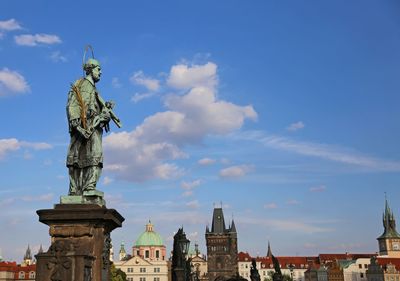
[284,111]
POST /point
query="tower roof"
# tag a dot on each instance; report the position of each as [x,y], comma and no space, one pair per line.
[218,221]
[389,223]
[149,237]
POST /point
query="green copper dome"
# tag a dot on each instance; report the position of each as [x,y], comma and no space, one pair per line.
[149,237]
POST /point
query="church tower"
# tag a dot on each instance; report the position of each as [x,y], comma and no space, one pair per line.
[389,241]
[222,250]
[28,257]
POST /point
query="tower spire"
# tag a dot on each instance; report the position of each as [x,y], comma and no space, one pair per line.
[269,252]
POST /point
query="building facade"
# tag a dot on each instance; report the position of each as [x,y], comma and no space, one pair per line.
[148,260]
[198,264]
[222,249]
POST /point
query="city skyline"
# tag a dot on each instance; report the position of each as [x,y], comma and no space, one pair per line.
[287,113]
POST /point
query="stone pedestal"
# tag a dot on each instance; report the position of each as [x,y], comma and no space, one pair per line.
[80,242]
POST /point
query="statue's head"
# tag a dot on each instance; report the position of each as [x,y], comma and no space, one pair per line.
[92,67]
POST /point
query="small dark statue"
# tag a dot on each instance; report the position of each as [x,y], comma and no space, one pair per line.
[278,273]
[254,275]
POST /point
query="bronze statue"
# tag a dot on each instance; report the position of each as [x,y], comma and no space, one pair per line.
[88,115]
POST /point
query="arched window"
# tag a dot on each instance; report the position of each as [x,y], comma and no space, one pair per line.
[21,275]
[32,275]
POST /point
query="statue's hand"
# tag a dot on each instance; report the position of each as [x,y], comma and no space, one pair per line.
[105,116]
[85,133]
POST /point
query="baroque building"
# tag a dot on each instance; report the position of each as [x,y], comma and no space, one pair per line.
[389,241]
[222,249]
[198,264]
[147,262]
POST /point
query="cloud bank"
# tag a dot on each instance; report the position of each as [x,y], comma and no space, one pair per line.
[149,150]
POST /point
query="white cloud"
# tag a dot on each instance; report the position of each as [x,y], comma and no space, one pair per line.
[270,206]
[292,202]
[56,56]
[193,204]
[151,84]
[235,171]
[183,76]
[44,197]
[12,82]
[9,25]
[285,225]
[190,185]
[138,97]
[323,151]
[9,145]
[36,39]
[295,126]
[147,151]
[318,188]
[116,83]
[206,161]
[107,180]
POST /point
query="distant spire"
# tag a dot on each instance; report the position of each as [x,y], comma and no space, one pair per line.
[28,254]
[269,252]
[122,252]
[196,249]
[389,222]
[40,249]
[122,249]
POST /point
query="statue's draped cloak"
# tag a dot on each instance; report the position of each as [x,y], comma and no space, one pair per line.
[84,152]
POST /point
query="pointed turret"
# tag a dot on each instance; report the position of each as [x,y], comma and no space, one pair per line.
[269,252]
[233,226]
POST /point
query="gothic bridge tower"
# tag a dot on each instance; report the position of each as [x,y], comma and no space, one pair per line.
[222,250]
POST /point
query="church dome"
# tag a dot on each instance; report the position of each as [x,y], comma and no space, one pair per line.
[149,237]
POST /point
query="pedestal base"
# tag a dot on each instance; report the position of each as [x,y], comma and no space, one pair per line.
[80,242]
[88,197]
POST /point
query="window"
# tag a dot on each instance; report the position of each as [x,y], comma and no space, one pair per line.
[362,275]
[130,269]
[156,269]
[129,279]
[32,275]
[360,266]
[142,269]
[157,254]
[156,278]
[21,275]
[365,265]
[147,254]
[142,278]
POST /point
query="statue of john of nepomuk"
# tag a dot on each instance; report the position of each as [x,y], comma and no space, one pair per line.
[88,114]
